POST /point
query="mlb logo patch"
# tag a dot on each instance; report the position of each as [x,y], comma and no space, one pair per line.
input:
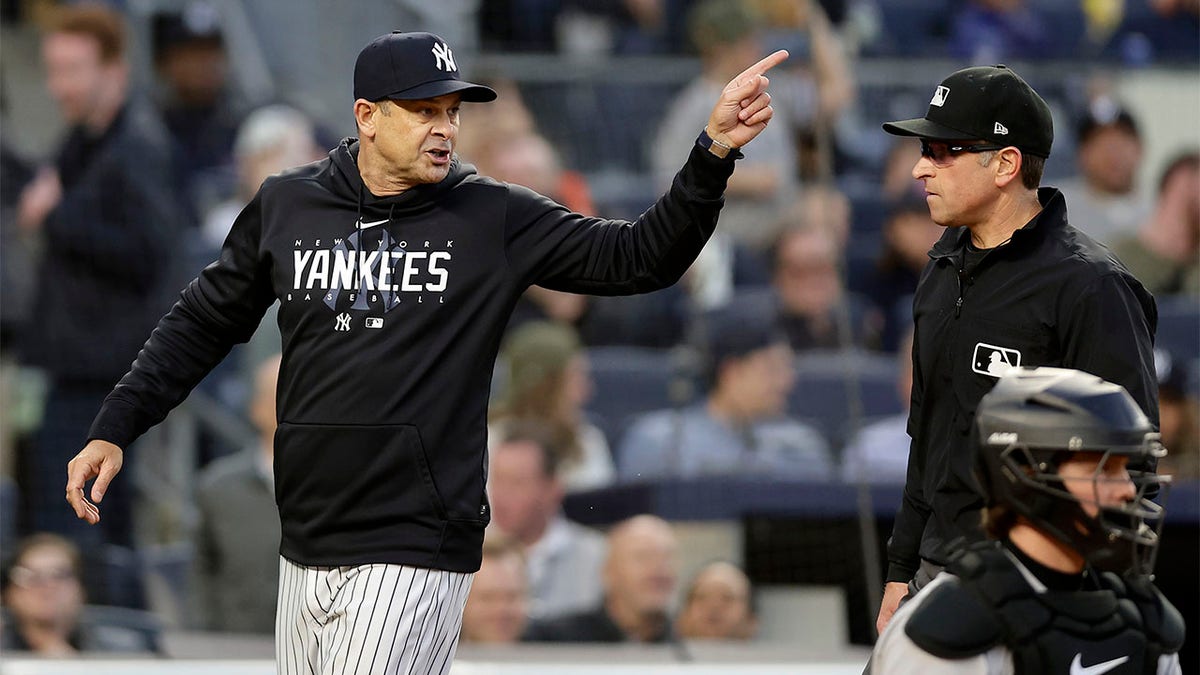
[994,361]
[374,322]
[939,96]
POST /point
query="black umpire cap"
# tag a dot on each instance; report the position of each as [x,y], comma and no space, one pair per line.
[410,66]
[986,103]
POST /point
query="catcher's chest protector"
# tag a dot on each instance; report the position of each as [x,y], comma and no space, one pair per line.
[1123,628]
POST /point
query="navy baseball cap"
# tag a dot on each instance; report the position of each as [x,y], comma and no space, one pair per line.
[986,103]
[410,66]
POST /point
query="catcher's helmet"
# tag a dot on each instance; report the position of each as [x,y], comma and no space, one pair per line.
[1031,421]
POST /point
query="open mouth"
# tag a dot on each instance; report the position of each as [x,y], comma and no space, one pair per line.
[439,155]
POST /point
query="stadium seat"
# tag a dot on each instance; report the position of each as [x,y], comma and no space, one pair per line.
[912,28]
[632,380]
[827,383]
[167,568]
[134,630]
[1179,325]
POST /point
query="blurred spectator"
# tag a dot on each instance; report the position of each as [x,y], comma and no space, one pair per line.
[818,55]
[740,427]
[822,207]
[908,234]
[548,382]
[878,453]
[18,254]
[1165,253]
[656,319]
[271,139]
[526,493]
[767,181]
[811,296]
[528,159]
[497,609]
[196,102]
[1179,418]
[728,36]
[544,304]
[897,179]
[109,217]
[718,605]
[1170,8]
[639,580]
[508,117]
[509,148]
[1105,202]
[1156,31]
[235,573]
[44,610]
[583,26]
[992,31]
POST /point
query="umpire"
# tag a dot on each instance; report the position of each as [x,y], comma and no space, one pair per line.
[1010,283]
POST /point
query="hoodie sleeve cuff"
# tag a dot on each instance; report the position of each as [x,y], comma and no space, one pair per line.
[706,175]
[114,424]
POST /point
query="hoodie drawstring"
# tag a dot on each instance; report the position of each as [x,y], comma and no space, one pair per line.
[358,247]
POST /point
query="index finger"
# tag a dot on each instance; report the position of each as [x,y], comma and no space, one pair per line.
[764,65]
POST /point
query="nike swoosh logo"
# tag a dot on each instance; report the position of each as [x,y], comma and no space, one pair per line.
[372,224]
[1077,667]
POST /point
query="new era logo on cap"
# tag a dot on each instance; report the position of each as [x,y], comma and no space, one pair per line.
[984,93]
[411,66]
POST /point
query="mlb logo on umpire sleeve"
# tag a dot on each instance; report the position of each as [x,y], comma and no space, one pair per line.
[994,361]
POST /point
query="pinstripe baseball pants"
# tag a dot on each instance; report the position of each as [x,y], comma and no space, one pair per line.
[367,619]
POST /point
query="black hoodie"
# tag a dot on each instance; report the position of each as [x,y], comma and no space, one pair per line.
[392,311]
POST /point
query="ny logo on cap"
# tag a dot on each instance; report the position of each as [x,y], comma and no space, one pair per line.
[1000,130]
[445,57]
[939,96]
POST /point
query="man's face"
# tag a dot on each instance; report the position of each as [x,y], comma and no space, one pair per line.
[522,496]
[1109,159]
[718,606]
[958,189]
[641,569]
[761,380]
[496,610]
[416,138]
[75,74]
[195,71]
[806,274]
[1097,485]
[45,589]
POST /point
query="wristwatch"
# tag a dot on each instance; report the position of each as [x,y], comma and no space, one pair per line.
[714,146]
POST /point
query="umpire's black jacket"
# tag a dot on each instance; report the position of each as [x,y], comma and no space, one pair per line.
[392,310]
[1052,296]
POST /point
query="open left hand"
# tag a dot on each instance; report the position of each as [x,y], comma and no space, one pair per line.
[744,108]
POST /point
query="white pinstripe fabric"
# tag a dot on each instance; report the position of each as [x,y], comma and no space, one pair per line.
[367,619]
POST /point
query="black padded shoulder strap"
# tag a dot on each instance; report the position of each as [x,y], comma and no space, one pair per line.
[973,629]
[1162,622]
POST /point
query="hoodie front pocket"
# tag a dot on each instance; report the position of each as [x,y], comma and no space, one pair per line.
[358,478]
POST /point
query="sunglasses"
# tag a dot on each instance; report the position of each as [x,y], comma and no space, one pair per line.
[941,153]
